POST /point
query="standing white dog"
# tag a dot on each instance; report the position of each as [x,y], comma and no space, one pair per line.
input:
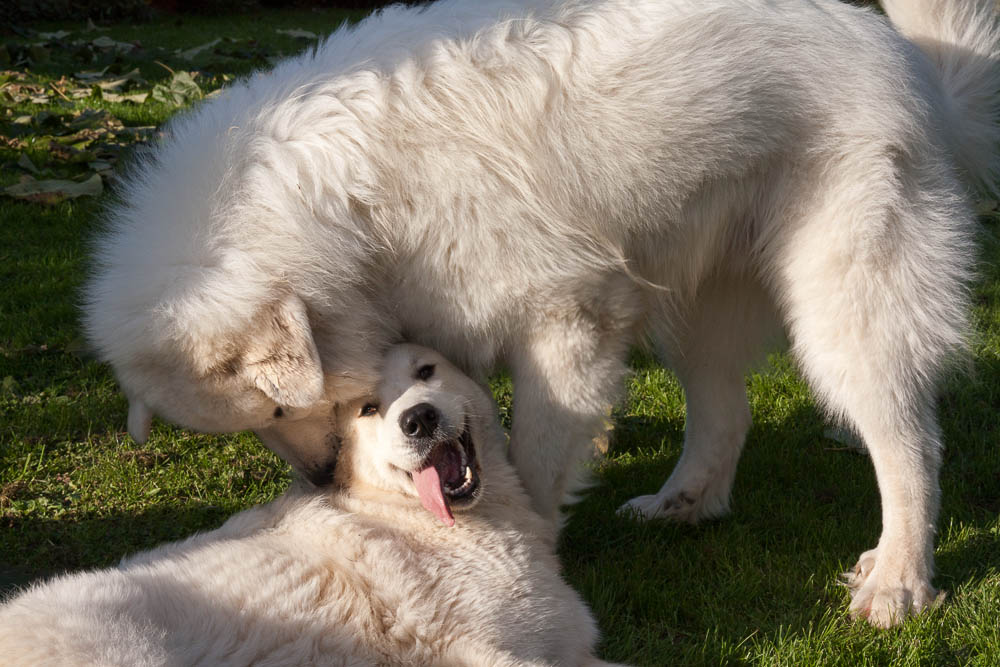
[544,183]
[355,574]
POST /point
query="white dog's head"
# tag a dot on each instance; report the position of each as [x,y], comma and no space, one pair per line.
[422,432]
[268,376]
[234,286]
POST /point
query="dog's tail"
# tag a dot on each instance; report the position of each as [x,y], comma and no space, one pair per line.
[962,39]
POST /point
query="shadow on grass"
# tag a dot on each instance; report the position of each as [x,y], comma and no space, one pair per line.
[803,511]
[89,542]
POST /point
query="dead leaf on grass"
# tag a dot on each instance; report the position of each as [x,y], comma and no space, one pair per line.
[90,75]
[78,347]
[297,32]
[59,34]
[13,143]
[117,83]
[106,43]
[190,54]
[90,119]
[54,191]
[135,98]
[141,133]
[24,162]
[180,90]
[71,154]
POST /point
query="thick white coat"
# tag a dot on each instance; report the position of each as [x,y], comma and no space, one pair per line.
[543,183]
[359,574]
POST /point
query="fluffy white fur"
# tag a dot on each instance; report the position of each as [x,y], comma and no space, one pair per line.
[358,574]
[542,184]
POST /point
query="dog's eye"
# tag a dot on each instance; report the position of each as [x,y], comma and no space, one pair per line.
[369,410]
[425,372]
[278,412]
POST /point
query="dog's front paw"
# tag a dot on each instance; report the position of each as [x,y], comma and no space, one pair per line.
[676,506]
[884,595]
[643,508]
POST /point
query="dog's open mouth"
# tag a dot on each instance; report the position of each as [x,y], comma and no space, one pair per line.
[449,476]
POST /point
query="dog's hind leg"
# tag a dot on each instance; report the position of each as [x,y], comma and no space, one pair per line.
[709,342]
[873,289]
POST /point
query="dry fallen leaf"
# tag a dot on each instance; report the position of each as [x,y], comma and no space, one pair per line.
[180,90]
[24,162]
[54,191]
[137,98]
[59,34]
[297,32]
[105,42]
[191,53]
[118,82]
[90,75]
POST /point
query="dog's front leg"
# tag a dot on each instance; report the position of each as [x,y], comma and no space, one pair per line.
[565,377]
[710,343]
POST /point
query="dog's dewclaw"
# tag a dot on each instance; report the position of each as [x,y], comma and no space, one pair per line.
[428,484]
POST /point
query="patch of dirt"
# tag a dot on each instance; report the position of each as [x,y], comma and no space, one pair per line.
[9,492]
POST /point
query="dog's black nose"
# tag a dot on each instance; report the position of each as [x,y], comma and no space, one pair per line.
[419,421]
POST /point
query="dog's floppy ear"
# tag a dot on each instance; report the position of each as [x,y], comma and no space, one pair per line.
[282,360]
[140,420]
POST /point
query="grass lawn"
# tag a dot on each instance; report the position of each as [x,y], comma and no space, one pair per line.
[758,587]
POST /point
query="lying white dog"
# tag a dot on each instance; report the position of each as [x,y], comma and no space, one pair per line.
[544,183]
[357,574]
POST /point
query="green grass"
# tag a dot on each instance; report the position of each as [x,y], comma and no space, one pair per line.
[758,587]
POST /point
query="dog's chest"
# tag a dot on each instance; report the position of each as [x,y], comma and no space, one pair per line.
[491,588]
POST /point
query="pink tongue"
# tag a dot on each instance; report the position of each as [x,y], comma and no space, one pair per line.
[428,484]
